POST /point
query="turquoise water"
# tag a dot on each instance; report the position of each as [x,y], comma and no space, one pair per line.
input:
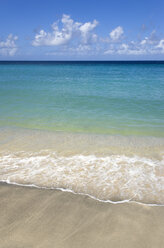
[87,127]
[100,98]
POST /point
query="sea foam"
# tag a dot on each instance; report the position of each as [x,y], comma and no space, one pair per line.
[115,177]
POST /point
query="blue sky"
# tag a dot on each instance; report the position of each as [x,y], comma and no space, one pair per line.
[81,30]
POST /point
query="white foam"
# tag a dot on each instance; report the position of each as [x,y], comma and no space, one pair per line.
[110,178]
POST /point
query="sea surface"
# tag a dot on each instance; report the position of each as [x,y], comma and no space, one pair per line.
[94,128]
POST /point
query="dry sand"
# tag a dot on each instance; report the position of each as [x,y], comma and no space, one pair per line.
[31,217]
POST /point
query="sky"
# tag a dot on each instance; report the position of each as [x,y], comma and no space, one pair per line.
[81,30]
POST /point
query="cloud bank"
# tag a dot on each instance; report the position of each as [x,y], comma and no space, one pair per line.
[69,37]
[80,38]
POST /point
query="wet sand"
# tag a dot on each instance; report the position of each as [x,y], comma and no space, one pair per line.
[31,217]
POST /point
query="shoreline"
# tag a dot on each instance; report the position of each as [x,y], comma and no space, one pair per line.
[33,217]
[129,201]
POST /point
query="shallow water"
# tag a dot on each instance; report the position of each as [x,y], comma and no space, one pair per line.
[93,128]
[106,98]
[106,167]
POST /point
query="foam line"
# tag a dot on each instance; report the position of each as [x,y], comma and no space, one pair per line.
[90,196]
[110,177]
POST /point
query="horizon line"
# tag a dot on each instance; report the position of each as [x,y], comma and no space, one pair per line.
[81,61]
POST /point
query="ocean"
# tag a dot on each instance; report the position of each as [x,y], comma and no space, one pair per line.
[94,128]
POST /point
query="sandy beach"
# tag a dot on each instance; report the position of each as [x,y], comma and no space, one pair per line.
[31,217]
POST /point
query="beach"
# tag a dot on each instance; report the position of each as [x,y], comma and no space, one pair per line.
[81,154]
[32,217]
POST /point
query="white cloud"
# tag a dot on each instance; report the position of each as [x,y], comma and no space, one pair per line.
[160,46]
[147,46]
[86,29]
[152,44]
[8,47]
[127,49]
[110,51]
[117,33]
[81,48]
[151,40]
[70,31]
[145,41]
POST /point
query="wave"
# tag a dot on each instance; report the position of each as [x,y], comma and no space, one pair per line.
[115,178]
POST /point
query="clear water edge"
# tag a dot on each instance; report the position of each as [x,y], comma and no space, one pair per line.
[104,111]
